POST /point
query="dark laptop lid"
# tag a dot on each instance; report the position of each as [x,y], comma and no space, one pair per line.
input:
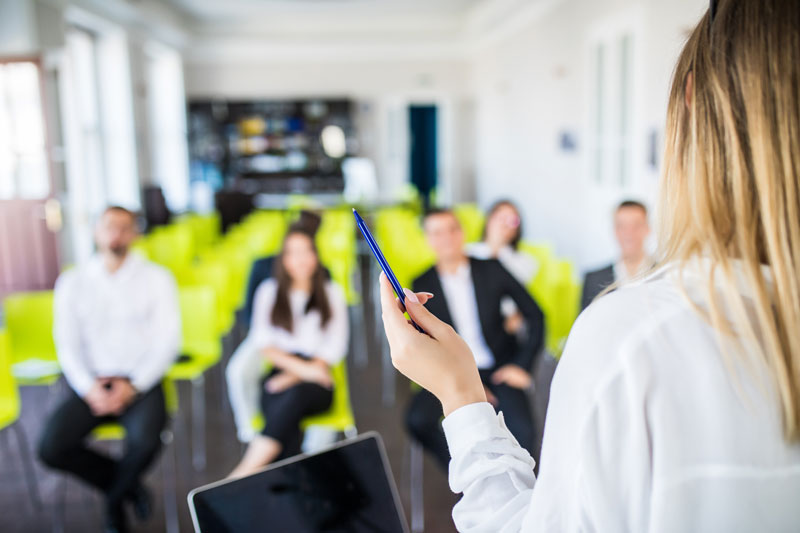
[345,488]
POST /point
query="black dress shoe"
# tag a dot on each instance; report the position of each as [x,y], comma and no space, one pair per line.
[142,502]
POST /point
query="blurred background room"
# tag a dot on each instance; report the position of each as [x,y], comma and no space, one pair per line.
[221,124]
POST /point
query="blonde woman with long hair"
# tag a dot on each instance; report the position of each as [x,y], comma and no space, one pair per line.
[676,404]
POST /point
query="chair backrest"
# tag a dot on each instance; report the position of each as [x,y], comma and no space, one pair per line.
[472,220]
[217,275]
[199,322]
[29,322]
[9,395]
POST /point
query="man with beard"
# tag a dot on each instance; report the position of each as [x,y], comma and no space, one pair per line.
[117,331]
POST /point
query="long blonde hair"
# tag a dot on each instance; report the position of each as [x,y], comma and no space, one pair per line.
[730,188]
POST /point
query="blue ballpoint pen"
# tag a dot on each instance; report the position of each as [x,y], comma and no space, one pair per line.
[376,251]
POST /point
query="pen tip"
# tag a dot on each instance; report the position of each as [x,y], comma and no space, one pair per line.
[354,210]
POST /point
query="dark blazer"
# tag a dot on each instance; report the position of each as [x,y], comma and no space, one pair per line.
[596,282]
[492,283]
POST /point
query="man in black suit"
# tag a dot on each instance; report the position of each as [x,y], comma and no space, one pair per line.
[631,229]
[467,294]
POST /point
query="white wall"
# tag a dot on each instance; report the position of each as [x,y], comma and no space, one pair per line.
[533,85]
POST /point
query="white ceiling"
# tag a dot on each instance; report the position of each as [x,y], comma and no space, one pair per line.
[291,30]
[239,10]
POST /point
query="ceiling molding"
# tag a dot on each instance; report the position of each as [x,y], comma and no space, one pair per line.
[453,39]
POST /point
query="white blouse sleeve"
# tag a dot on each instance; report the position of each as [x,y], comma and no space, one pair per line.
[261,330]
[494,473]
[336,335]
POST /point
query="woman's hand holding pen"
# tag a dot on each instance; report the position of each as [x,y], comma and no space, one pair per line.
[440,361]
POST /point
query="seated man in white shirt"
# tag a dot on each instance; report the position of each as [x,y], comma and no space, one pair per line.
[117,331]
[469,295]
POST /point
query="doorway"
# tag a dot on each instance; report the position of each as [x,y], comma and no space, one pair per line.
[28,247]
[423,164]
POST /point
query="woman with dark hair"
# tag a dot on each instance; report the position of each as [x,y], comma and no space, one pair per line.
[300,325]
[501,237]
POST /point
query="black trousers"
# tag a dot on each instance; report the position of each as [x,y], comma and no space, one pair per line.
[284,411]
[424,418]
[62,445]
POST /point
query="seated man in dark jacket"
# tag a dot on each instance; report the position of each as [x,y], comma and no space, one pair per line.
[631,230]
[467,295]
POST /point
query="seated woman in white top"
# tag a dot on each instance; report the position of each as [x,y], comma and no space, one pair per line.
[300,324]
[676,403]
[501,238]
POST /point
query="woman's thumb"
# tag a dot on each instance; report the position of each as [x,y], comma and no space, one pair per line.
[420,314]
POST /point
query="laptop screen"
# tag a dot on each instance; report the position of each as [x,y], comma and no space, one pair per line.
[345,488]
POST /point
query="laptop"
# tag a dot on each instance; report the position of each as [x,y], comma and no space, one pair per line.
[345,488]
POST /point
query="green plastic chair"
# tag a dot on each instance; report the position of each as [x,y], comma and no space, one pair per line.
[29,322]
[172,246]
[141,247]
[201,350]
[472,221]
[9,416]
[398,230]
[336,242]
[557,292]
[214,273]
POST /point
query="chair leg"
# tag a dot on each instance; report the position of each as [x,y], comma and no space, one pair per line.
[387,375]
[60,511]
[199,423]
[417,481]
[170,489]
[360,355]
[27,466]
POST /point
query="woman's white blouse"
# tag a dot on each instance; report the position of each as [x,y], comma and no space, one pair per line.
[521,265]
[308,336]
[646,430]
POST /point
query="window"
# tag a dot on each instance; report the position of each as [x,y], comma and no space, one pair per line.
[167,119]
[97,119]
[23,155]
[612,104]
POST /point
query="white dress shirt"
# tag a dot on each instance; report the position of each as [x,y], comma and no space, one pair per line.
[125,324]
[459,292]
[307,337]
[646,431]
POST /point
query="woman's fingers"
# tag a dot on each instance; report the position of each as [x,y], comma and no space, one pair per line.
[424,318]
[422,296]
[393,319]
